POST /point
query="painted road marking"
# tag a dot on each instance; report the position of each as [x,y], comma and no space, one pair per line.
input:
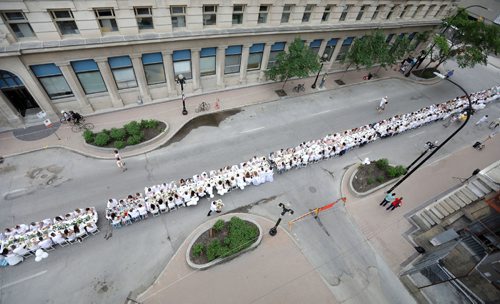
[416,134]
[322,112]
[251,130]
[23,279]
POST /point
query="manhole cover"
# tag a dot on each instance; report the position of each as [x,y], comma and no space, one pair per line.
[312,189]
[339,82]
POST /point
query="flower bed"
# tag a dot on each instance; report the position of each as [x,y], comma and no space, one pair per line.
[130,134]
[376,173]
[224,239]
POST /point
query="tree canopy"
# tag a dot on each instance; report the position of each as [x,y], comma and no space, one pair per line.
[299,61]
[471,43]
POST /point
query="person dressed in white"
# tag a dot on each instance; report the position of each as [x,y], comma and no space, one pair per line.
[21,251]
[45,243]
[482,120]
[112,203]
[381,105]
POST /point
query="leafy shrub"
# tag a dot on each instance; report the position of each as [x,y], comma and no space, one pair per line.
[133,140]
[380,179]
[144,123]
[88,136]
[150,124]
[391,171]
[198,249]
[213,250]
[133,128]
[219,225]
[118,134]
[370,181]
[400,170]
[101,139]
[120,144]
[382,164]
[241,235]
[227,241]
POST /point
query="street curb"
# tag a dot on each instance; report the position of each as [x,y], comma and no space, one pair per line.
[206,226]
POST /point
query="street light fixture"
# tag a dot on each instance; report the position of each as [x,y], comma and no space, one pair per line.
[469,113]
[273,231]
[443,32]
[322,59]
[181,80]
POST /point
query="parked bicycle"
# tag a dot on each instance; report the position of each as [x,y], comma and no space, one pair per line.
[202,107]
[77,125]
[299,88]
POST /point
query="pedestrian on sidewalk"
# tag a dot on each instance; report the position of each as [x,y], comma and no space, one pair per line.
[389,198]
[382,104]
[215,206]
[120,164]
[482,120]
[396,203]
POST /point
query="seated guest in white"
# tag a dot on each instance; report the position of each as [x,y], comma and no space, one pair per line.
[91,227]
[21,251]
[57,238]
[22,228]
[35,226]
[70,234]
[112,203]
[162,205]
[154,210]
[8,232]
[12,258]
[134,214]
[34,245]
[142,211]
[79,232]
[194,199]
[209,189]
[45,243]
[171,203]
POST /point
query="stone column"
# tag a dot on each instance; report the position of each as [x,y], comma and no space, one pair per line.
[265,61]
[244,62]
[105,70]
[75,86]
[195,70]
[220,63]
[10,113]
[168,65]
[335,53]
[141,77]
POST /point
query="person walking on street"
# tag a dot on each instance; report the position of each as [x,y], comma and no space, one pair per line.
[389,198]
[482,120]
[382,104]
[396,203]
[117,154]
[120,164]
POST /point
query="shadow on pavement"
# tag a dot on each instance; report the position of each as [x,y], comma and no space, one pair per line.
[35,132]
[208,120]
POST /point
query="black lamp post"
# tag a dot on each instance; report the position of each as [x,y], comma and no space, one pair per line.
[274,230]
[428,146]
[322,59]
[443,32]
[469,113]
[181,80]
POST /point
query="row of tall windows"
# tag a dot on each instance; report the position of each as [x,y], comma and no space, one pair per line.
[106,18]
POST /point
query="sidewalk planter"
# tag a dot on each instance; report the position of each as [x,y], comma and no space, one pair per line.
[421,80]
[375,188]
[130,146]
[217,245]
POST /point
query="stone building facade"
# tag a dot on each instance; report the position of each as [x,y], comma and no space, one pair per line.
[102,55]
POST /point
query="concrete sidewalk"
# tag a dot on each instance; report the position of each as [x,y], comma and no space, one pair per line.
[385,229]
[170,113]
[274,272]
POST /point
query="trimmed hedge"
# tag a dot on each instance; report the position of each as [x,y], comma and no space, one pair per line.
[130,134]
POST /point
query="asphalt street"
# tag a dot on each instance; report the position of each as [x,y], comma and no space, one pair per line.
[108,267]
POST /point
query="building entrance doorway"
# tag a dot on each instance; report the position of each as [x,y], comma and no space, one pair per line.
[17,94]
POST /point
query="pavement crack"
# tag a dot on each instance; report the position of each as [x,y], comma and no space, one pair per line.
[329,172]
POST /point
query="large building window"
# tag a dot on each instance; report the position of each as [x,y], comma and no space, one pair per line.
[89,76]
[233,59]
[18,24]
[238,11]
[418,10]
[65,21]
[307,13]
[255,57]
[52,80]
[389,38]
[153,68]
[315,45]
[207,61]
[178,15]
[440,10]
[106,19]
[391,12]
[122,70]
[276,49]
[326,13]
[209,14]
[344,48]
[263,12]
[429,10]
[144,17]
[330,47]
[378,9]
[287,11]
[362,11]
[345,11]
[182,63]
[405,10]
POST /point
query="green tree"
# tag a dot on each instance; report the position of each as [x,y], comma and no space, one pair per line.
[471,42]
[299,61]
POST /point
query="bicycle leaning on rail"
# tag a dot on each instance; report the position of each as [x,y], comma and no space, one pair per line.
[77,126]
[202,107]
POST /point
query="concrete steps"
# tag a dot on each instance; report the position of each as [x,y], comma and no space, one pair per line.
[452,203]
